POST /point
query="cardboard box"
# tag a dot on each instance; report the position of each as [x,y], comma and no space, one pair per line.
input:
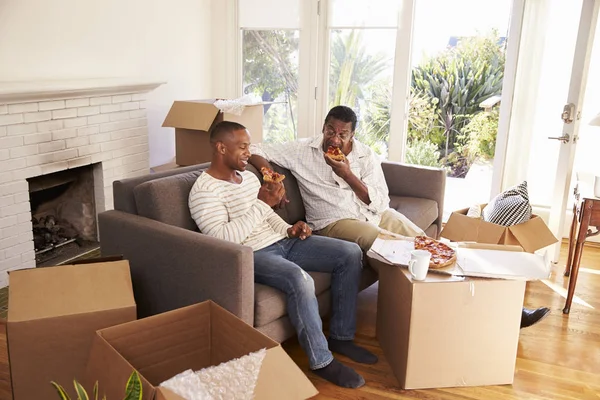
[52,319]
[531,235]
[193,120]
[448,331]
[165,167]
[193,337]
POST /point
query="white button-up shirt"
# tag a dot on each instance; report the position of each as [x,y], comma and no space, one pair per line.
[327,197]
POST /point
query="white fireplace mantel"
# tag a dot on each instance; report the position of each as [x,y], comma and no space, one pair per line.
[52,126]
[29,91]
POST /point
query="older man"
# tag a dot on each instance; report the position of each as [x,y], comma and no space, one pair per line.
[345,199]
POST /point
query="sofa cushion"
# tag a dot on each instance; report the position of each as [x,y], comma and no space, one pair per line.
[166,199]
[423,212]
[270,304]
[123,189]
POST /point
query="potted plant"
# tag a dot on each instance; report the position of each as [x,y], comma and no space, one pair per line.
[133,389]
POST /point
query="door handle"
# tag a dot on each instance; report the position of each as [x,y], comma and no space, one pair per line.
[564,138]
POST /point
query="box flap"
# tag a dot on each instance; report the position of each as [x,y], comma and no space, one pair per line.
[461,228]
[280,378]
[111,370]
[165,394]
[240,339]
[69,289]
[197,115]
[533,234]
[163,345]
[514,265]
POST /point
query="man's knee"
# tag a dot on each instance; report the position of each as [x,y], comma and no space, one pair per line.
[300,282]
[353,254]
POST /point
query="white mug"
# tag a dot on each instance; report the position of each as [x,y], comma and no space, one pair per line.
[418,265]
[597,186]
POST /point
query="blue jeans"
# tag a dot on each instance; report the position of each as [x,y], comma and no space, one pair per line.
[282,265]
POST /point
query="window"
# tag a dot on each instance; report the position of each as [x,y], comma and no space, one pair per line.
[362,42]
[270,49]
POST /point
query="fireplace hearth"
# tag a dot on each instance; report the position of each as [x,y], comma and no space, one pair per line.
[63,215]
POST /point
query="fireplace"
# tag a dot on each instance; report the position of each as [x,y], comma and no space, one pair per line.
[74,129]
[63,214]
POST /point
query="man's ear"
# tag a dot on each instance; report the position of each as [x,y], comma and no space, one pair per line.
[220,147]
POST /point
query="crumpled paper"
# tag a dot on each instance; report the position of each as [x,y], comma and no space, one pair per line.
[231,380]
[236,106]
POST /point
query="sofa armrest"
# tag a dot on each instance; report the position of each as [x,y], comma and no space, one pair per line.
[172,267]
[416,181]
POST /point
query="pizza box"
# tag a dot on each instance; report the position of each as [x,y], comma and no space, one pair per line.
[531,235]
[473,259]
[447,331]
[193,119]
[193,337]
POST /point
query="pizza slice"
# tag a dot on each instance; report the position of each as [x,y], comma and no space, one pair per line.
[271,176]
[335,153]
[442,255]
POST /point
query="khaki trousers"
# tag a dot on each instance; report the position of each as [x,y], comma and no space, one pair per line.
[364,233]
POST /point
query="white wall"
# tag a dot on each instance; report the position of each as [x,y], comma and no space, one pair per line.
[69,39]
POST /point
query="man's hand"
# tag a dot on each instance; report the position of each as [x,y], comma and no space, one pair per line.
[271,193]
[283,202]
[299,230]
[340,168]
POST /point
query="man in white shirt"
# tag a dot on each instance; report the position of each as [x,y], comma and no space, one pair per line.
[229,203]
[346,199]
[343,199]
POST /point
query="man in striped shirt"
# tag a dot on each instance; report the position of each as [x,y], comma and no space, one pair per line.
[229,203]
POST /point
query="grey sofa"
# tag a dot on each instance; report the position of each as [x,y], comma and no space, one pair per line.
[173,265]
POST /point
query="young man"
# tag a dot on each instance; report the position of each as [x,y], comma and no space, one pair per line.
[345,199]
[229,203]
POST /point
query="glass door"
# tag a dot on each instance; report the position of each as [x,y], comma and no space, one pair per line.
[572,118]
[459,53]
[552,70]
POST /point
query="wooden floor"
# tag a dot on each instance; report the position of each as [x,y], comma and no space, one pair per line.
[559,358]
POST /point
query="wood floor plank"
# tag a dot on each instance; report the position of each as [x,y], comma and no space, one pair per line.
[558,359]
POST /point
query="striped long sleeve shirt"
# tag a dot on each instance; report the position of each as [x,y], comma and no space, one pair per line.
[233,212]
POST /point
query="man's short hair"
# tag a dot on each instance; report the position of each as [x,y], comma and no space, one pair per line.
[224,129]
[344,114]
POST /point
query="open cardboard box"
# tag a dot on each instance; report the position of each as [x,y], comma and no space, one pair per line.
[531,235]
[193,120]
[447,331]
[53,317]
[193,337]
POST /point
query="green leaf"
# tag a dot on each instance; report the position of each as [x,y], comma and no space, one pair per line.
[133,390]
[81,393]
[96,391]
[61,391]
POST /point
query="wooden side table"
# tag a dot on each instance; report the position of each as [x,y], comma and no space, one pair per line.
[586,215]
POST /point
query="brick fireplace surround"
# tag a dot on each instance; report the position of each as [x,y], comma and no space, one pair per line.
[47,127]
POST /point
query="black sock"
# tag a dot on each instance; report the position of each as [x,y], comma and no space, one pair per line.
[341,375]
[349,349]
